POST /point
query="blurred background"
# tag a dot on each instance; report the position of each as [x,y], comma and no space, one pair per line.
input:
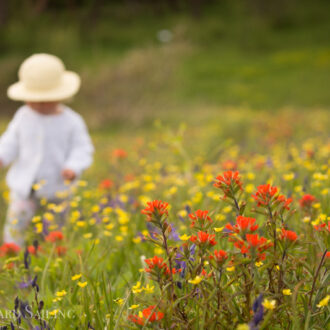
[175,59]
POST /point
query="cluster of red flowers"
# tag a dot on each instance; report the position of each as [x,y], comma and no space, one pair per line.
[200,217]
[253,243]
[307,201]
[155,209]
[148,314]
[9,250]
[204,239]
[288,235]
[322,226]
[243,224]
[219,256]
[265,194]
[54,236]
[229,183]
[157,263]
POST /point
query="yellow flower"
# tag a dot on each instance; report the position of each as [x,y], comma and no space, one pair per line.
[76,277]
[88,235]
[227,209]
[54,312]
[36,218]
[137,288]
[184,237]
[82,284]
[81,223]
[133,307]
[196,280]
[288,176]
[109,226]
[259,263]
[158,250]
[317,205]
[242,327]
[61,293]
[269,304]
[149,289]
[218,229]
[39,228]
[306,219]
[230,269]
[137,240]
[119,301]
[249,188]
[323,302]
[287,292]
[119,238]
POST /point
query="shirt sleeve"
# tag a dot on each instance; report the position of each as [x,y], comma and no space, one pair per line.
[9,142]
[81,154]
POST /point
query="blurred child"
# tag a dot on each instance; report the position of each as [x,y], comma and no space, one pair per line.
[46,141]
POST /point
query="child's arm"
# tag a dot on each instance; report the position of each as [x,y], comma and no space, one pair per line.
[81,153]
[9,143]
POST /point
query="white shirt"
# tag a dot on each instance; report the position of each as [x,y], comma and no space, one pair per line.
[41,146]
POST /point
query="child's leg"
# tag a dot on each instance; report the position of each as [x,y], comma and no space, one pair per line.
[19,215]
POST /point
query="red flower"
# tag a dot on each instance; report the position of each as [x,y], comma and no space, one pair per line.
[253,242]
[284,201]
[54,236]
[9,250]
[32,249]
[200,217]
[229,183]
[106,184]
[203,238]
[289,235]
[243,224]
[119,153]
[155,209]
[156,263]
[61,250]
[220,256]
[229,165]
[322,226]
[148,313]
[307,201]
[327,255]
[264,195]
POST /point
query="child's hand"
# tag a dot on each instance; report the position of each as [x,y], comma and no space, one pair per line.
[68,174]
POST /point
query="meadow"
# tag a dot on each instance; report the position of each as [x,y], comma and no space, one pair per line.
[97,271]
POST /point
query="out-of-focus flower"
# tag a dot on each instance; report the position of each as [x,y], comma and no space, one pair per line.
[54,236]
[287,292]
[149,313]
[323,302]
[269,304]
[119,153]
[196,280]
[306,201]
[289,235]
[106,184]
[9,250]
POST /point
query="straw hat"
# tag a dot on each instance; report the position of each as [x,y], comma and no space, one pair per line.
[43,78]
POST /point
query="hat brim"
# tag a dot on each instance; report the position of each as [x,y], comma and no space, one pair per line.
[69,86]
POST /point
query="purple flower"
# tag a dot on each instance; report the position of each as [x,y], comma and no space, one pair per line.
[258,310]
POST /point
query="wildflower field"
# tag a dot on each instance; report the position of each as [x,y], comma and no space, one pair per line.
[220,223]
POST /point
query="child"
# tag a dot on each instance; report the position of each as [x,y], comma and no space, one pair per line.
[46,141]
